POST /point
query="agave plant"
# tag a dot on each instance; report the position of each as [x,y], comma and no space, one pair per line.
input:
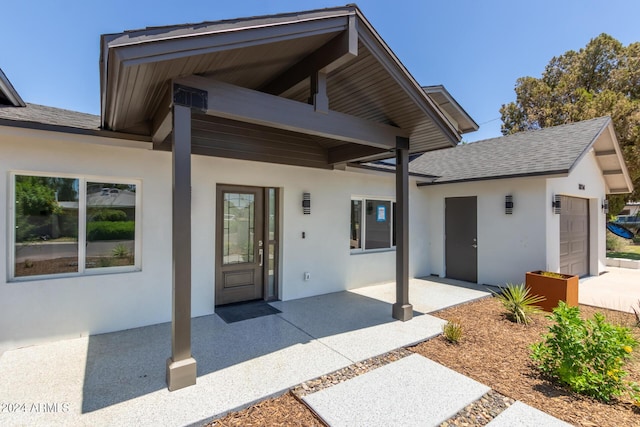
[519,303]
[120,251]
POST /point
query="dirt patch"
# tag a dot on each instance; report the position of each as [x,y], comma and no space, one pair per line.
[67,265]
[493,351]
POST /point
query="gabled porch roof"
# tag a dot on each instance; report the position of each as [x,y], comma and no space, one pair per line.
[278,56]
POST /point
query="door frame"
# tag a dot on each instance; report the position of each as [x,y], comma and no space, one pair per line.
[267,294]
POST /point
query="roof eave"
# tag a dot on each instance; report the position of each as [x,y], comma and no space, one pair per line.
[402,75]
[545,174]
[7,89]
[471,125]
[118,48]
[607,133]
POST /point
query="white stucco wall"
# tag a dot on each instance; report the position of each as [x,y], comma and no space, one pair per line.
[33,311]
[588,173]
[508,245]
[511,245]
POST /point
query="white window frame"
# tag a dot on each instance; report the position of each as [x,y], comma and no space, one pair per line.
[363,200]
[82,226]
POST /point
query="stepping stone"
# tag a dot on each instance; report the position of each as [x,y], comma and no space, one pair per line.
[522,415]
[411,391]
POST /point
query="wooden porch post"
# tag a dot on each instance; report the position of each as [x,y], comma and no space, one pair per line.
[402,310]
[181,366]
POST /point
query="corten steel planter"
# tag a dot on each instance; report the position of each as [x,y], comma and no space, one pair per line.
[554,289]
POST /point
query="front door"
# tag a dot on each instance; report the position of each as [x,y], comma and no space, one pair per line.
[461,238]
[239,244]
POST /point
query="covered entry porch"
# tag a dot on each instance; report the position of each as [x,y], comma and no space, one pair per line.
[318,89]
[117,378]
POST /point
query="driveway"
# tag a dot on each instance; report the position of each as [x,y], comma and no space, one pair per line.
[617,289]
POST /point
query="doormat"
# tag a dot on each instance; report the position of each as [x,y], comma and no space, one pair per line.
[245,310]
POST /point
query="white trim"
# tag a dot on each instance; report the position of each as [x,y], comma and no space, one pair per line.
[82,226]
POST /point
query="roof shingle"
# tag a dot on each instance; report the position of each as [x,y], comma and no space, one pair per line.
[34,113]
[540,152]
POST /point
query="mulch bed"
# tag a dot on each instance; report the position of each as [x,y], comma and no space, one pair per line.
[67,265]
[493,351]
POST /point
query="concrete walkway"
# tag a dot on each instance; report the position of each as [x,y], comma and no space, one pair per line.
[617,289]
[119,378]
[412,391]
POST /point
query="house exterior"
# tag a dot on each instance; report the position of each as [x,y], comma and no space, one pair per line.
[232,161]
[576,165]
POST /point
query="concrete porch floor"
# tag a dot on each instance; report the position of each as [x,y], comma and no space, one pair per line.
[119,378]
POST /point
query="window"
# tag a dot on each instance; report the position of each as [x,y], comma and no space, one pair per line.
[73,225]
[372,224]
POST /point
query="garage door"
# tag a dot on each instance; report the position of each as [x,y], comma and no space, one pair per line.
[574,236]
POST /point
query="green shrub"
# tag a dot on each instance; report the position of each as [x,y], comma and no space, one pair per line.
[636,239]
[452,331]
[587,356]
[113,215]
[615,243]
[105,262]
[105,230]
[518,302]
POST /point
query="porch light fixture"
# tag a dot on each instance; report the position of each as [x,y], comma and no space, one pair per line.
[555,204]
[605,205]
[306,203]
[508,204]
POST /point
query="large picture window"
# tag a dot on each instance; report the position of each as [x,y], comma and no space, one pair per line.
[73,225]
[372,224]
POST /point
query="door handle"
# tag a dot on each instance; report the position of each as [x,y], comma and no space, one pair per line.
[261,255]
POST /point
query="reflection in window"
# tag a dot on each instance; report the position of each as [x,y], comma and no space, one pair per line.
[46,225]
[272,203]
[356,224]
[378,224]
[111,224]
[372,224]
[49,214]
[238,230]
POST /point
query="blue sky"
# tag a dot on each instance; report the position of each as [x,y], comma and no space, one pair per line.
[476,48]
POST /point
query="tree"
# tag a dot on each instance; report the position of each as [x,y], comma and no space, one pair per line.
[601,79]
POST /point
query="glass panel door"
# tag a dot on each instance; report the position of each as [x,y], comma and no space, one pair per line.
[239,228]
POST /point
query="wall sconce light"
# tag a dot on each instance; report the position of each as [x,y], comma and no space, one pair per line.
[508,204]
[605,205]
[555,204]
[306,203]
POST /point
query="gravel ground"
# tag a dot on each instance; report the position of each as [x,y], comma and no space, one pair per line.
[493,351]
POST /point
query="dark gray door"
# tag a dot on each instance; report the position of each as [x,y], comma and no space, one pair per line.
[240,244]
[461,238]
[574,236]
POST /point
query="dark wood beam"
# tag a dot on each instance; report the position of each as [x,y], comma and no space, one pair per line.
[181,366]
[328,57]
[318,95]
[402,309]
[161,122]
[352,153]
[251,106]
